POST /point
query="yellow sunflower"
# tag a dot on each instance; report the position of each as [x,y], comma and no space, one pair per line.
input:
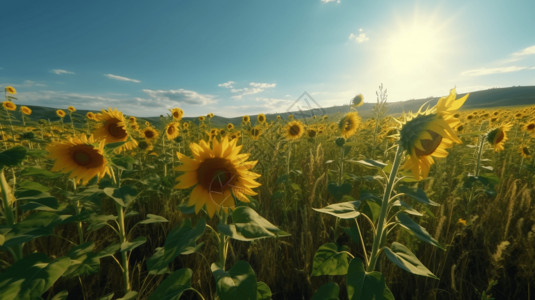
[349,124]
[177,113]
[312,133]
[80,156]
[245,119]
[429,133]
[11,90]
[201,118]
[210,115]
[255,132]
[71,108]
[172,130]
[132,119]
[529,127]
[91,116]
[113,129]
[357,101]
[8,105]
[524,151]
[185,125]
[261,118]
[230,126]
[294,130]
[60,113]
[26,110]
[497,137]
[218,174]
[150,134]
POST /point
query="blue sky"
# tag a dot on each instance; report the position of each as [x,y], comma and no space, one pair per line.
[245,57]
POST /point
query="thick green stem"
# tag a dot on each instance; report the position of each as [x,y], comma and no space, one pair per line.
[479,152]
[124,254]
[8,211]
[223,240]
[380,232]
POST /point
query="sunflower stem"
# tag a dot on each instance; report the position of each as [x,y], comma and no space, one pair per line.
[8,212]
[380,232]
[223,240]
[479,152]
[124,254]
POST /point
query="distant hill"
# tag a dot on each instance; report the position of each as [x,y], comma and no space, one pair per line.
[497,97]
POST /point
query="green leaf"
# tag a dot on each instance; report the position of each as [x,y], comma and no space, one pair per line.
[63,295]
[112,146]
[370,163]
[124,196]
[338,191]
[98,221]
[248,225]
[263,292]
[32,171]
[343,210]
[418,195]
[173,286]
[83,260]
[153,219]
[328,291]
[12,157]
[362,285]
[31,276]
[129,246]
[181,240]
[420,232]
[37,224]
[31,186]
[371,209]
[238,283]
[129,296]
[405,259]
[330,260]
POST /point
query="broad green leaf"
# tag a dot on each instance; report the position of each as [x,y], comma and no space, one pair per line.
[63,295]
[98,221]
[338,191]
[39,201]
[407,208]
[405,259]
[370,163]
[420,232]
[330,260]
[32,171]
[418,195]
[27,185]
[343,210]
[83,260]
[153,219]
[362,285]
[237,283]
[37,224]
[181,240]
[112,146]
[129,296]
[124,196]
[173,286]
[248,225]
[371,209]
[129,246]
[328,291]
[12,157]
[263,292]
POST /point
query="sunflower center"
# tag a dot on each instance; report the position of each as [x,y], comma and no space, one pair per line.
[170,130]
[115,130]
[429,145]
[499,137]
[294,130]
[531,126]
[149,134]
[255,132]
[86,156]
[216,174]
[348,124]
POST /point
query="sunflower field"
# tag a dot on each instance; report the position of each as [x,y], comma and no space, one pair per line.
[431,204]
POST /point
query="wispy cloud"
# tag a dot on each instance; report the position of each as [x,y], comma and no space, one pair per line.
[253,88]
[169,98]
[121,78]
[61,99]
[524,52]
[61,72]
[330,1]
[361,37]
[497,70]
[228,85]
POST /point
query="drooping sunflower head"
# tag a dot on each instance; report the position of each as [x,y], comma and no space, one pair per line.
[172,130]
[150,134]
[61,113]
[261,118]
[80,156]
[294,130]
[26,110]
[349,124]
[497,137]
[177,113]
[357,101]
[8,105]
[71,109]
[219,174]
[11,90]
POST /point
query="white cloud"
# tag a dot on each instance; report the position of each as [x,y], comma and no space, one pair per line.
[121,78]
[253,89]
[524,52]
[262,85]
[61,72]
[170,98]
[228,85]
[497,70]
[330,1]
[360,38]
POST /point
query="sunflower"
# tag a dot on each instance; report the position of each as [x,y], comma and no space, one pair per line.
[177,113]
[113,129]
[26,110]
[91,116]
[497,137]
[256,132]
[71,108]
[357,101]
[201,118]
[150,134]
[294,130]
[312,133]
[8,105]
[524,151]
[429,133]
[230,126]
[11,90]
[185,125]
[218,174]
[245,119]
[172,130]
[80,156]
[210,115]
[132,119]
[529,127]
[261,118]
[60,113]
[349,124]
